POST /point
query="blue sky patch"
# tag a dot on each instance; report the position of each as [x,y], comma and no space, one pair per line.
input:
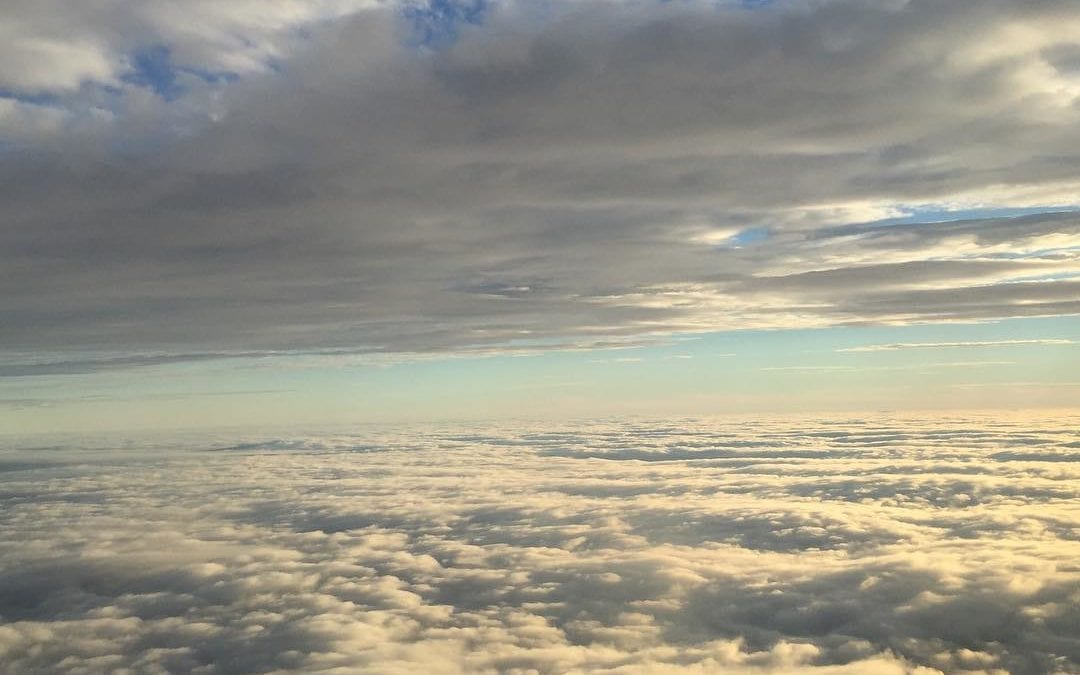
[750,236]
[436,23]
[153,68]
[42,99]
[939,215]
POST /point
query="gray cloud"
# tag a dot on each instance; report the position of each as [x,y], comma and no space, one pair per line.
[58,46]
[563,175]
[846,545]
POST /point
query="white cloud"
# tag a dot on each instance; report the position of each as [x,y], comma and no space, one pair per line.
[832,546]
[895,346]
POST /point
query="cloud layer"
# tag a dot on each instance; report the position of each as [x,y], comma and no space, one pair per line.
[315,178]
[892,545]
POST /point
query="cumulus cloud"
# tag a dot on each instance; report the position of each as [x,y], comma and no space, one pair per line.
[197,178]
[847,545]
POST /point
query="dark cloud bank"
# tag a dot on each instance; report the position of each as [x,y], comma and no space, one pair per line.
[833,546]
[557,173]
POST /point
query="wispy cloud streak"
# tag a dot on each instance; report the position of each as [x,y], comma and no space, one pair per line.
[896,346]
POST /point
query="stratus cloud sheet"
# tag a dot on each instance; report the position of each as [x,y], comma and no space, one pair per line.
[191,179]
[843,545]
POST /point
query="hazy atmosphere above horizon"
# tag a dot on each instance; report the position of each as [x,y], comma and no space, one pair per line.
[532,337]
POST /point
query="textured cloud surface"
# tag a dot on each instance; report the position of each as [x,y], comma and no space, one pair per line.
[853,545]
[192,178]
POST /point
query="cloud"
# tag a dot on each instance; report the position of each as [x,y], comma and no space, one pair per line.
[846,545]
[55,46]
[951,345]
[810,370]
[309,177]
[978,385]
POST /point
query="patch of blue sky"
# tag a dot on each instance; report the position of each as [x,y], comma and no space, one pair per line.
[773,370]
[784,347]
[45,99]
[153,68]
[937,214]
[436,23]
[749,237]
[759,363]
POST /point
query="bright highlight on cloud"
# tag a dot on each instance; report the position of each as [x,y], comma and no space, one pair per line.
[197,178]
[950,345]
[844,545]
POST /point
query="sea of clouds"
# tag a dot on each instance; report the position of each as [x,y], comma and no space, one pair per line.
[846,545]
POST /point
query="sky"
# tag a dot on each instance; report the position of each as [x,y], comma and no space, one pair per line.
[540,337]
[341,211]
